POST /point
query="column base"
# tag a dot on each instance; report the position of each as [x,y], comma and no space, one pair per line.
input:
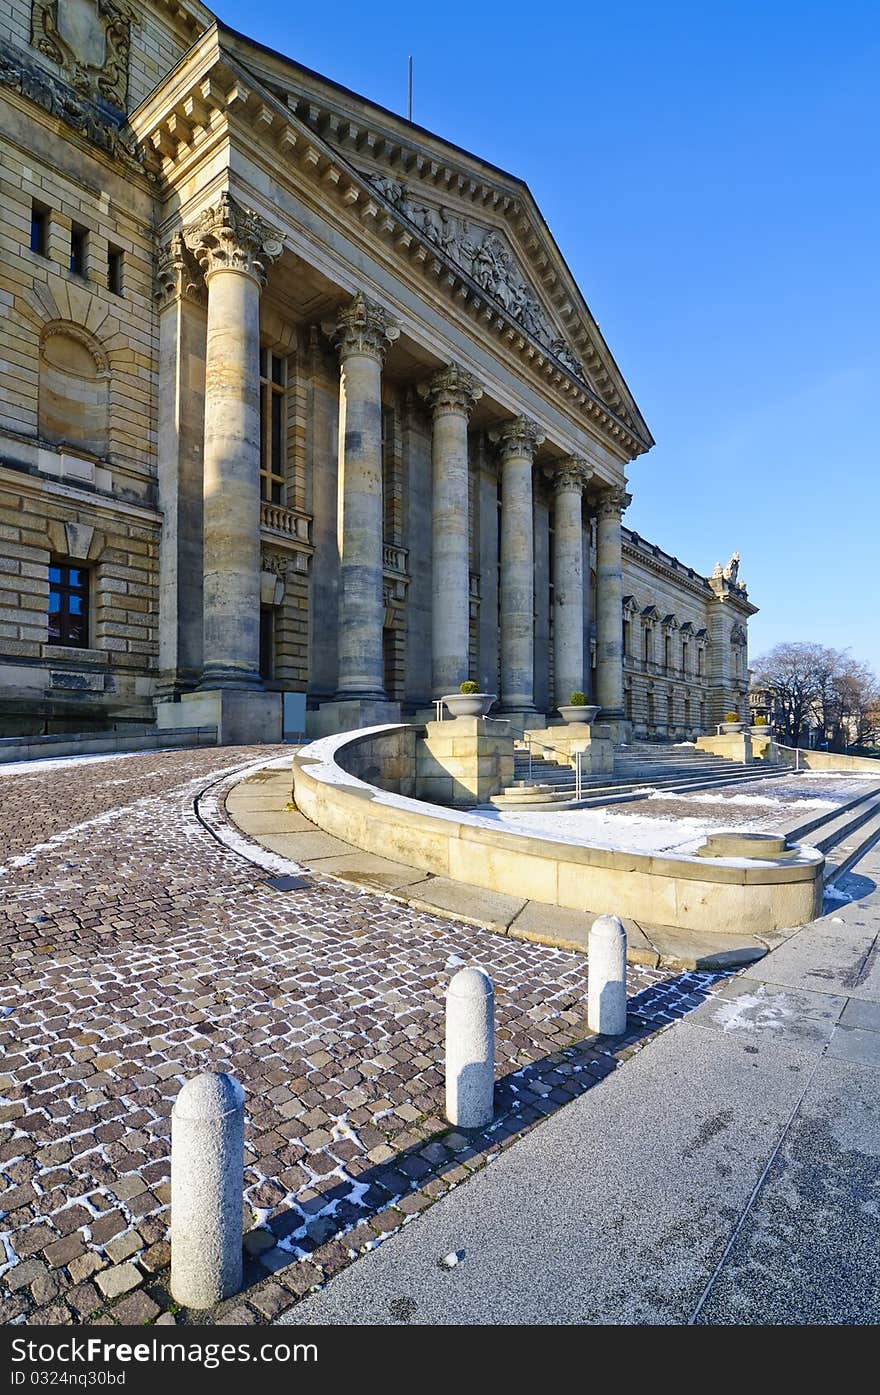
[350,714]
[618,727]
[235,679]
[242,717]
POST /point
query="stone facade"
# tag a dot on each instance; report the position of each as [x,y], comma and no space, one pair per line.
[303,399]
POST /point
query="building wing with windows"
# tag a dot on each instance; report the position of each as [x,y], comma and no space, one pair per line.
[300,398]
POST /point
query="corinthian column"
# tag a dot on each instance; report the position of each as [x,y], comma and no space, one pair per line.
[569,480]
[234,247]
[518,441]
[362,333]
[451,393]
[609,602]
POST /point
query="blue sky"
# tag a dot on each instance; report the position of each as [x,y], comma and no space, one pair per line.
[709,171]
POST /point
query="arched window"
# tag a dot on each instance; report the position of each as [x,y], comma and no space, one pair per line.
[74,383]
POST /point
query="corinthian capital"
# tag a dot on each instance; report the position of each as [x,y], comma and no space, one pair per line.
[612,503]
[177,275]
[571,473]
[231,238]
[452,389]
[518,437]
[362,327]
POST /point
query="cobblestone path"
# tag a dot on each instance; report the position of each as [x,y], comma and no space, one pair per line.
[140,950]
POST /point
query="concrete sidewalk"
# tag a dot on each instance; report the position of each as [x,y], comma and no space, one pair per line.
[729,1173]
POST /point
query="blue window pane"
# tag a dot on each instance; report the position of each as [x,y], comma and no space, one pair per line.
[55,574]
[54,602]
[76,605]
[75,575]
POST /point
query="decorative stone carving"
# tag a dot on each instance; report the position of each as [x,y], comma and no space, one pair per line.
[274,562]
[362,327]
[484,254]
[96,123]
[517,437]
[571,473]
[232,238]
[724,579]
[90,40]
[177,274]
[613,503]
[452,389]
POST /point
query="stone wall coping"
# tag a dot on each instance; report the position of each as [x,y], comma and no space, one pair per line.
[318,762]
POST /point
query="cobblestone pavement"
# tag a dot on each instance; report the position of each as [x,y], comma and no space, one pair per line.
[140,950]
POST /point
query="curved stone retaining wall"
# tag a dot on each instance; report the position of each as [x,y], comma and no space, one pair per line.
[723,895]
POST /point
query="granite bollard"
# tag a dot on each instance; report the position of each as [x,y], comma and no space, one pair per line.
[606,1011]
[207,1181]
[470,1049]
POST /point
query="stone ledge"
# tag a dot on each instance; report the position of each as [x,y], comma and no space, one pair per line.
[557,927]
[690,894]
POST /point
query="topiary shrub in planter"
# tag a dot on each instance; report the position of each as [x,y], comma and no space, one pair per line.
[577,709]
[468,701]
[732,722]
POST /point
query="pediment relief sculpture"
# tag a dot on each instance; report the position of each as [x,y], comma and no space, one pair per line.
[484,254]
[90,40]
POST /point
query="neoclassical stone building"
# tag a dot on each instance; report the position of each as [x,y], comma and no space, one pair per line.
[300,399]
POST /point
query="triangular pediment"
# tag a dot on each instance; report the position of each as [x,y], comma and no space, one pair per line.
[484,251]
[473,231]
[483,219]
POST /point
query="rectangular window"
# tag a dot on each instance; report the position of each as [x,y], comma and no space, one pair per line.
[79,238]
[115,263]
[273,426]
[40,229]
[267,637]
[69,605]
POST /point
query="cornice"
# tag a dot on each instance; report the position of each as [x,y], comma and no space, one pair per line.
[210,92]
[696,584]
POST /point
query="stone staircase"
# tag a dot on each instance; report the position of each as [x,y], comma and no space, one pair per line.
[639,769]
[843,834]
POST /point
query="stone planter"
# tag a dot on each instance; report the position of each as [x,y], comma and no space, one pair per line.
[468,704]
[569,713]
[732,726]
[759,731]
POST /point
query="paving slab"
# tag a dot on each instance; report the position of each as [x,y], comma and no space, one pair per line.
[557,925]
[691,949]
[859,1013]
[256,822]
[808,1251]
[615,1210]
[760,1012]
[469,903]
[367,869]
[303,847]
[856,1045]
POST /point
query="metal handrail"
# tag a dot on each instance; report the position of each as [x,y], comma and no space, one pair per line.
[545,746]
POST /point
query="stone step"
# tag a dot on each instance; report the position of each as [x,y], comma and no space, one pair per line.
[846,856]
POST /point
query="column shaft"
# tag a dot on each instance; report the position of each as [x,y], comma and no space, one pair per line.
[452,393]
[519,441]
[232,482]
[361,334]
[180,451]
[234,246]
[568,584]
[360,526]
[609,601]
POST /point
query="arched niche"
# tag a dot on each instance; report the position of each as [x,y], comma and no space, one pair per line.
[74,389]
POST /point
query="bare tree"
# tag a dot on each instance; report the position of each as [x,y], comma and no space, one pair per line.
[811,685]
[796,678]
